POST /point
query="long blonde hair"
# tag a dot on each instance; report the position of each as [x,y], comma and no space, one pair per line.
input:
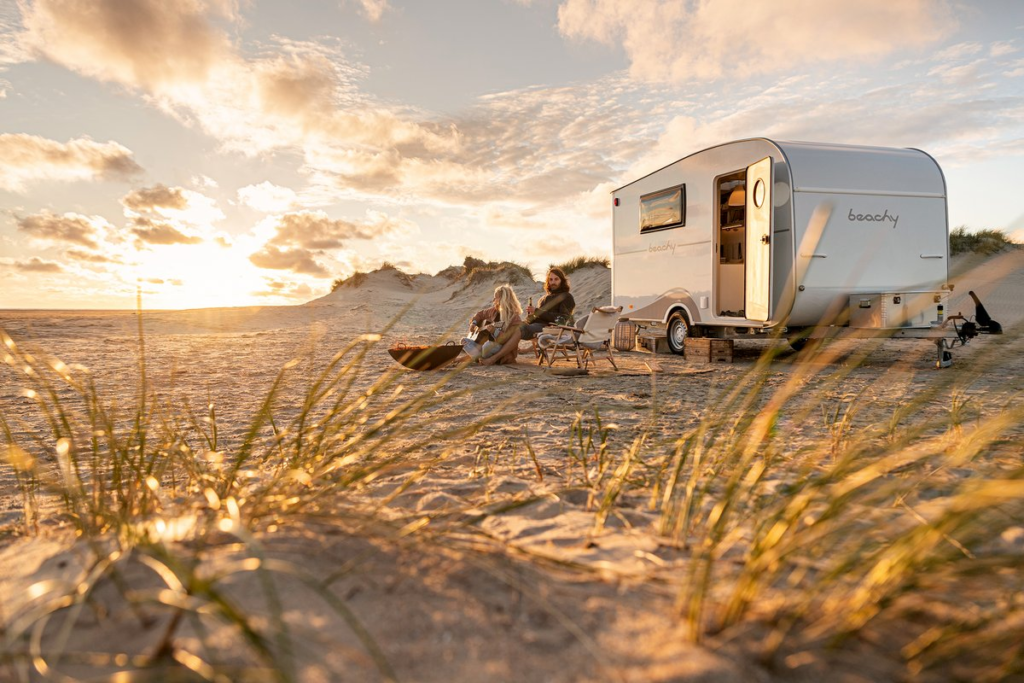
[507,303]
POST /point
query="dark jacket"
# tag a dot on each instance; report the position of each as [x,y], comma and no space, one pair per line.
[554,307]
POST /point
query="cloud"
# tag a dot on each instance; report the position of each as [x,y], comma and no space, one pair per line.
[540,151]
[314,230]
[151,43]
[374,9]
[164,216]
[12,47]
[292,94]
[303,96]
[37,265]
[916,110]
[1016,69]
[291,290]
[671,40]
[299,85]
[958,51]
[89,257]
[204,181]
[267,197]
[159,233]
[70,227]
[296,241]
[175,205]
[29,158]
[1002,49]
[296,260]
[156,197]
[960,74]
[535,145]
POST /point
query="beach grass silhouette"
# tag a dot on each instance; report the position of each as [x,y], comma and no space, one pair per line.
[819,510]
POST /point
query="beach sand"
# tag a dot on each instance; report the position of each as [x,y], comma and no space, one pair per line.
[514,572]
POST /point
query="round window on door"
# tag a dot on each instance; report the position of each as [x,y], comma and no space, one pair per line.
[759,193]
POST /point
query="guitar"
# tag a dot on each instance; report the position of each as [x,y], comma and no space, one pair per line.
[485,333]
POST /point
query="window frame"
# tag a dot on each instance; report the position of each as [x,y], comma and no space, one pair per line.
[681,189]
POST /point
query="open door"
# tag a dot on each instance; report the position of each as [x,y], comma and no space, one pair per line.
[759,237]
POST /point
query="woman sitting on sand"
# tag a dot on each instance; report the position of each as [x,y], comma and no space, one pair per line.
[556,306]
[502,319]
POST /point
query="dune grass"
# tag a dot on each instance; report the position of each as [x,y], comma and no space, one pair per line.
[985,242]
[861,532]
[579,262]
[151,489]
[861,537]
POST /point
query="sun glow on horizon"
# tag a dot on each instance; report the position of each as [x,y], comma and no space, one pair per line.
[202,276]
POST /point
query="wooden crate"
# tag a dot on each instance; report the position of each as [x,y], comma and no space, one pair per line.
[708,350]
[654,344]
[721,350]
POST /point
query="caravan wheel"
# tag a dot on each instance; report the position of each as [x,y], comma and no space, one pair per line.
[678,331]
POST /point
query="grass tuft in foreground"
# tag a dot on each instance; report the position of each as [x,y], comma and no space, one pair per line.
[887,529]
[171,519]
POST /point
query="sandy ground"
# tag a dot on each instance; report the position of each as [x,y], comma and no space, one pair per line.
[591,603]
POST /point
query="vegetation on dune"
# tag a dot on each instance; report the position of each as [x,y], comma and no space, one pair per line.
[358,278]
[574,264]
[862,538]
[474,270]
[354,280]
[979,242]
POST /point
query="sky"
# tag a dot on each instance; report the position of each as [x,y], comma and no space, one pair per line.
[210,153]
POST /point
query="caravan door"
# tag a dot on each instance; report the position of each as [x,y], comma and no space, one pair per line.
[759,235]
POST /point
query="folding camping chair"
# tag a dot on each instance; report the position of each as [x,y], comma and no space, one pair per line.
[591,336]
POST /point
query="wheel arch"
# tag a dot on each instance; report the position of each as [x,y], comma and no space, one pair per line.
[681,308]
[676,333]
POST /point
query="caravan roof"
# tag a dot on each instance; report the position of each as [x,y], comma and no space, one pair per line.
[820,167]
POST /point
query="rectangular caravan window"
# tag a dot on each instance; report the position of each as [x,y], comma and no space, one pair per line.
[664,209]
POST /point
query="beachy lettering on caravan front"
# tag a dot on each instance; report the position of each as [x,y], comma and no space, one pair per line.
[667,246]
[873,218]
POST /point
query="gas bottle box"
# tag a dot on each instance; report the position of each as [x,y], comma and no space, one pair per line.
[888,310]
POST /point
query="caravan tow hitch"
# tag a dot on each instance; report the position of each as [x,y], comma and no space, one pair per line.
[964,333]
[968,330]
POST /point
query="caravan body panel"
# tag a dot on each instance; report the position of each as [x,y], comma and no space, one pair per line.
[656,272]
[845,220]
[886,231]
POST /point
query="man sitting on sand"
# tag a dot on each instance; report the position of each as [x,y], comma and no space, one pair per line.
[502,319]
[556,306]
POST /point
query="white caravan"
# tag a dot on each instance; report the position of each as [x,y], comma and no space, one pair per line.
[751,235]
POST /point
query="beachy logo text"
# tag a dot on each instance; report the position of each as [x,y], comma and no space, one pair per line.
[665,246]
[873,218]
